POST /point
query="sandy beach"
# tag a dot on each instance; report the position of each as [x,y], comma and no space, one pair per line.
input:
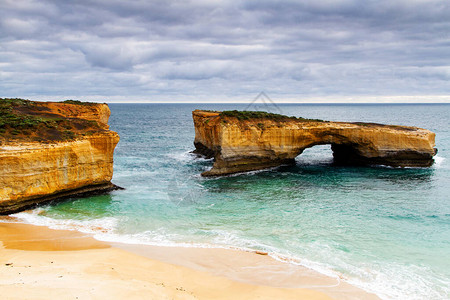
[41,263]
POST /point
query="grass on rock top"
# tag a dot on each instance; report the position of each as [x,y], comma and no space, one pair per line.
[9,118]
[262,115]
[78,102]
[26,120]
[249,115]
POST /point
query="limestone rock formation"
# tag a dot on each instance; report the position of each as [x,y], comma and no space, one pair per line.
[55,150]
[246,141]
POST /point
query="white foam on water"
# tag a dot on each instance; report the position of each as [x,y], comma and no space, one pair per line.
[438,161]
[103,225]
[187,156]
[396,281]
[386,281]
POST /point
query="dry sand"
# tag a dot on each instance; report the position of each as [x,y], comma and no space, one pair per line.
[40,263]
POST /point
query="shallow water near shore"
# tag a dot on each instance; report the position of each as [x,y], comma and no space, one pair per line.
[386,230]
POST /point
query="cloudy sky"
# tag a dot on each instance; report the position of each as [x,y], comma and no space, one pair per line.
[215,51]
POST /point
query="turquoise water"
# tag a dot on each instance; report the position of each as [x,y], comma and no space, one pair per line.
[386,230]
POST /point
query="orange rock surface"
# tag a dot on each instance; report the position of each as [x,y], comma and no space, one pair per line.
[251,144]
[35,172]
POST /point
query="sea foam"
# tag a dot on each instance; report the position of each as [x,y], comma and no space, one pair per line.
[390,282]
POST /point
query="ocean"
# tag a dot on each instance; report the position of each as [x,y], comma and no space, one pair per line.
[386,230]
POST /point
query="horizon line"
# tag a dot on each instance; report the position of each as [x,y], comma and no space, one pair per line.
[308,103]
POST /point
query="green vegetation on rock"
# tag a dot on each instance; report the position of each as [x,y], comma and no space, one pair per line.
[77,102]
[249,115]
[22,119]
[9,118]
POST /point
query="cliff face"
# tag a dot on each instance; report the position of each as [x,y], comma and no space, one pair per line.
[245,144]
[36,172]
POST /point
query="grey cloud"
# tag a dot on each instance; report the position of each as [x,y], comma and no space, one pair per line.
[227,48]
[106,57]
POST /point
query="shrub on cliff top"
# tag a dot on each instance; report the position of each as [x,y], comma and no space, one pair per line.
[9,118]
[248,115]
[8,102]
[28,120]
[78,102]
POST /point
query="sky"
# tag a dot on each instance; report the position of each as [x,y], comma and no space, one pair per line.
[226,51]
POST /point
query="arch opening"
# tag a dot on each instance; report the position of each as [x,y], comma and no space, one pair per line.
[331,153]
[347,154]
[315,155]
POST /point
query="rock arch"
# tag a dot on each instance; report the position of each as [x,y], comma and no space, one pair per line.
[240,143]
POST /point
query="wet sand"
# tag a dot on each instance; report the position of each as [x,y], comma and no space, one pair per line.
[41,263]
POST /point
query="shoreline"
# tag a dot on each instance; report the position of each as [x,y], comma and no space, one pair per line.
[164,272]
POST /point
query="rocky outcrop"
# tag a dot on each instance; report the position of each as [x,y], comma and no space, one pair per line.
[98,112]
[245,141]
[37,172]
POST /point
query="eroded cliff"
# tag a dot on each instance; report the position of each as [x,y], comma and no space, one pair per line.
[246,141]
[51,150]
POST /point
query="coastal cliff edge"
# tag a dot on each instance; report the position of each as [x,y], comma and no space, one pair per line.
[53,150]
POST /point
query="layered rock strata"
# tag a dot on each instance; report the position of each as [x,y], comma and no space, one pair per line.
[240,143]
[37,172]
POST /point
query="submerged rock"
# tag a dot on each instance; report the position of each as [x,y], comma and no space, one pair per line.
[247,141]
